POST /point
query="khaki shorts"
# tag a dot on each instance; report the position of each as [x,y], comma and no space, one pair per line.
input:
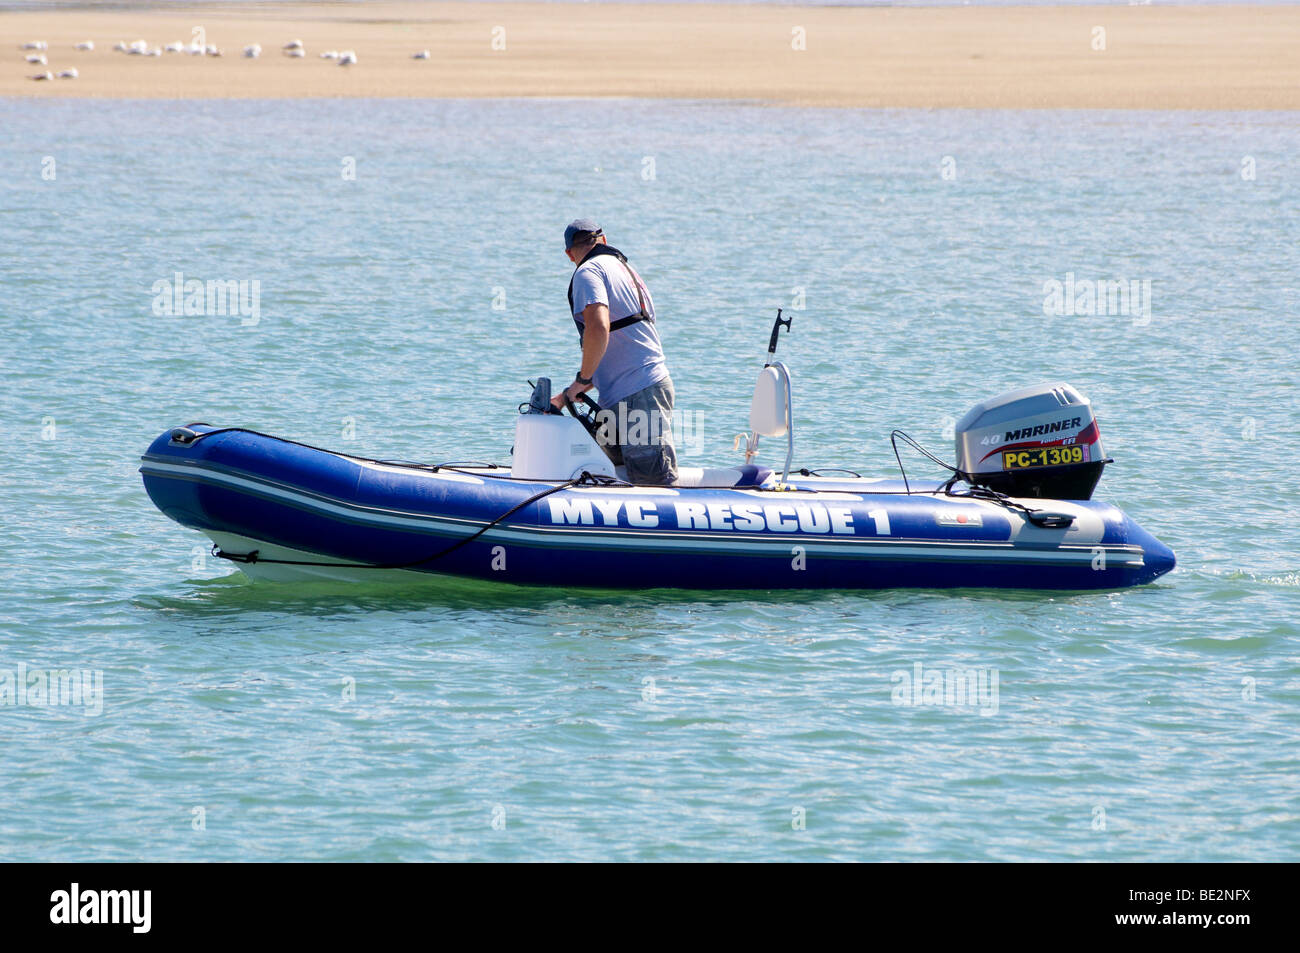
[637,433]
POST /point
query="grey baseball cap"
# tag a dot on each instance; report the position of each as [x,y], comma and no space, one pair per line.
[580,227]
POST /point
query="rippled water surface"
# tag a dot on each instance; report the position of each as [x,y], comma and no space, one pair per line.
[399,314]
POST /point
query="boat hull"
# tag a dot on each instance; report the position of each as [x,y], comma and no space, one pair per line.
[301,505]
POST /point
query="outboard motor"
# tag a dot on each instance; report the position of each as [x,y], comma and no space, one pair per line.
[1036,442]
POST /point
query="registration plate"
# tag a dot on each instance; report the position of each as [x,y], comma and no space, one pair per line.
[1044,457]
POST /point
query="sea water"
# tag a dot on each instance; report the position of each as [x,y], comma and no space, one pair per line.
[396,273]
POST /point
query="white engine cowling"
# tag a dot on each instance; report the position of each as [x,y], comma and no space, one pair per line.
[554,447]
[1039,441]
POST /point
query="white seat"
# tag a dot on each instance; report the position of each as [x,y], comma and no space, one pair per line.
[715,477]
[722,476]
[769,412]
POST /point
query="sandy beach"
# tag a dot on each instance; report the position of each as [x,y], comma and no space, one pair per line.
[1019,57]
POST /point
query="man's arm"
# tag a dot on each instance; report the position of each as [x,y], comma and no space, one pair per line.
[595,338]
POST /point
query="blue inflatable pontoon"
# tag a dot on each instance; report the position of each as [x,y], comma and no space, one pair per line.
[287,511]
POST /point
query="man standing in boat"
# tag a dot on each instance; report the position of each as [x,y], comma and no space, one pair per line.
[621,357]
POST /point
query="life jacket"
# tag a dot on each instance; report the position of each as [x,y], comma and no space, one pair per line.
[641,315]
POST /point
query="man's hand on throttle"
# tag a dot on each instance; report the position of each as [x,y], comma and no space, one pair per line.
[571,392]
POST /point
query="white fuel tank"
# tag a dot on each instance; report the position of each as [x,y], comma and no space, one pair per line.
[554,447]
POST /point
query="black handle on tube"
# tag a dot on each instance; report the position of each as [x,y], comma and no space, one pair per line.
[776,331]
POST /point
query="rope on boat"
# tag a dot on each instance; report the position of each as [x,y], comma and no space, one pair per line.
[187,436]
[586,479]
[973,490]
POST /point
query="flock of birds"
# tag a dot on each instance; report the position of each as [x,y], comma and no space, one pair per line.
[36,51]
[295,49]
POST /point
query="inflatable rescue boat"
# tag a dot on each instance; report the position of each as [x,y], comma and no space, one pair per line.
[1017,511]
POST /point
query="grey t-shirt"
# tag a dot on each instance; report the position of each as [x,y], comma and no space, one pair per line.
[634,358]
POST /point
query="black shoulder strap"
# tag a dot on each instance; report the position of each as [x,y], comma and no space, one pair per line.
[641,315]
